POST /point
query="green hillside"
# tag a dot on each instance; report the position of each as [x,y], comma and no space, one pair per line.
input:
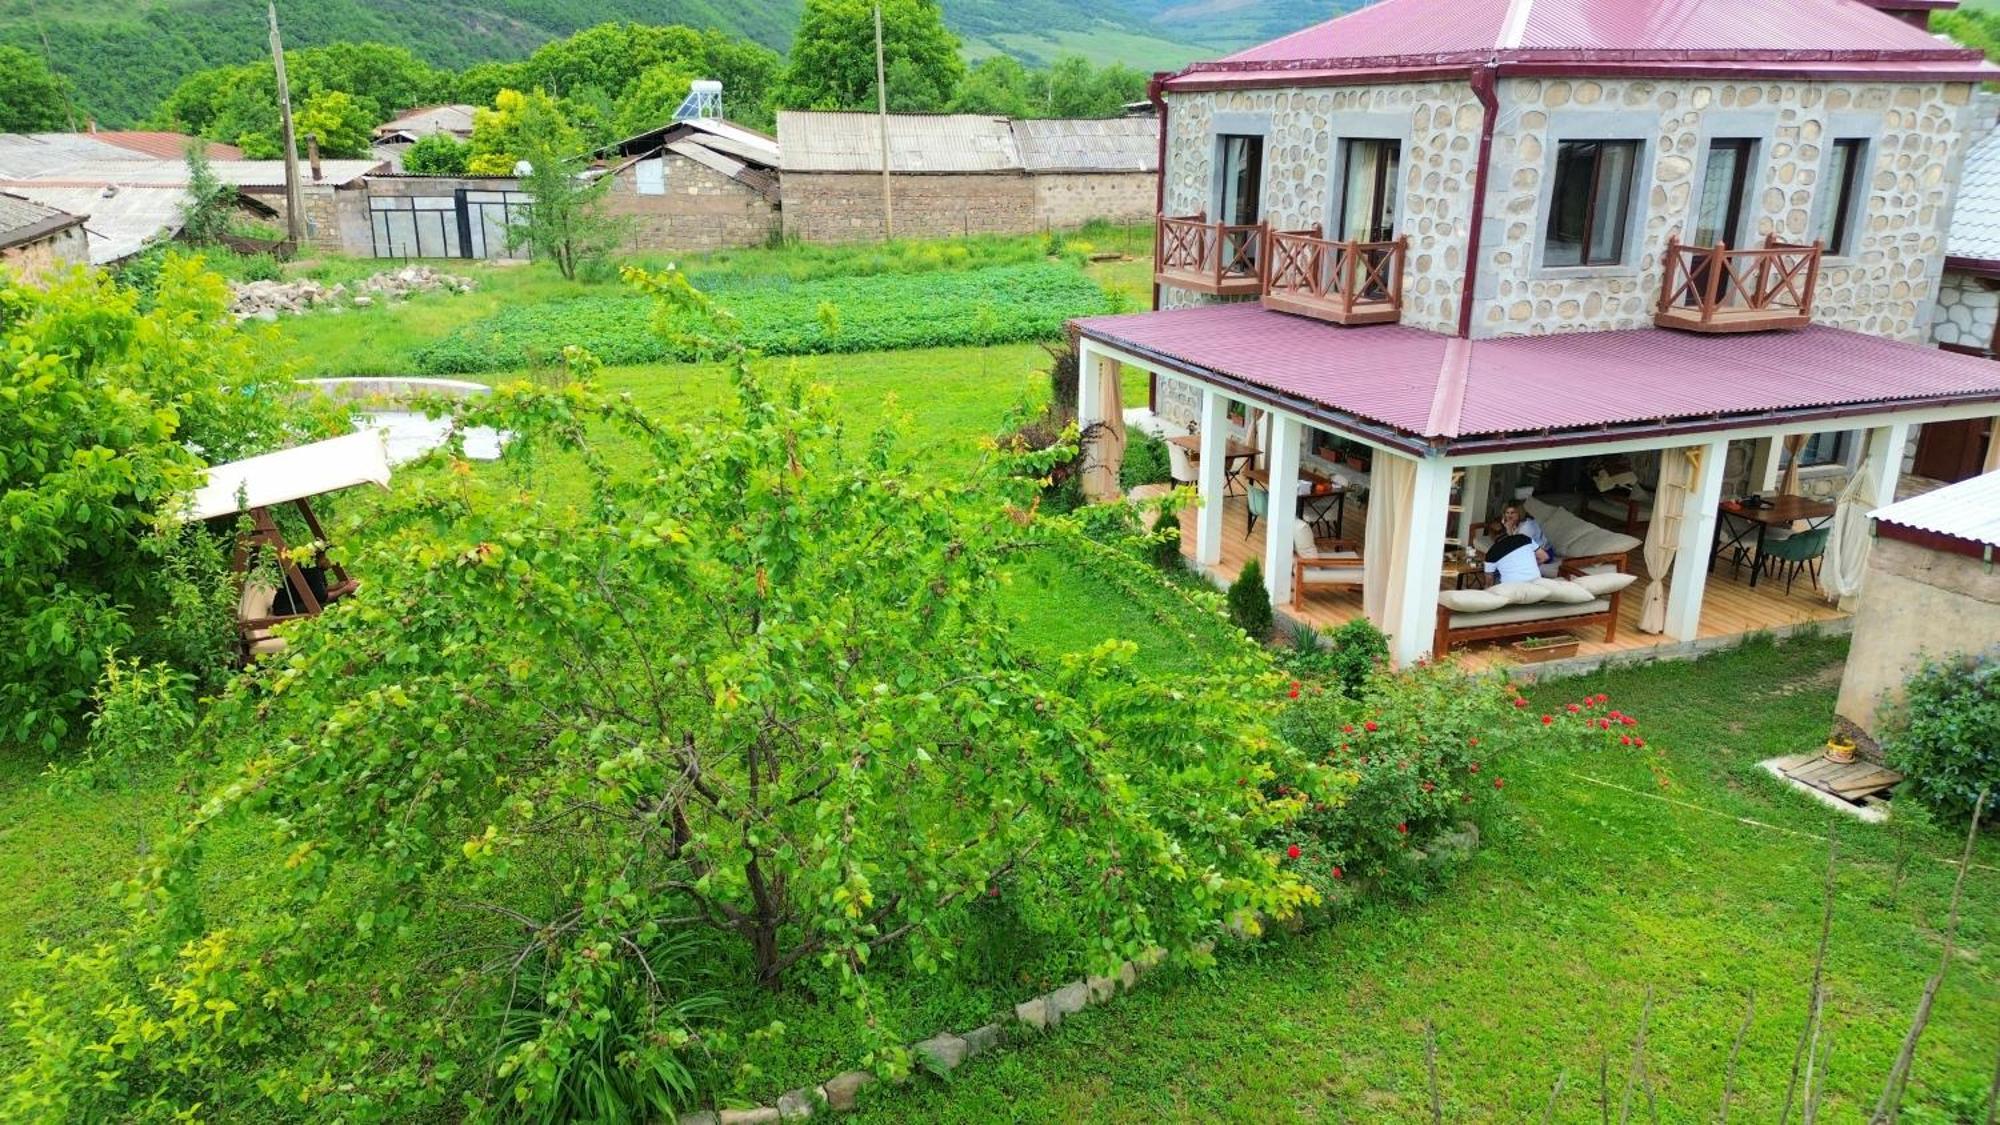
[123,56]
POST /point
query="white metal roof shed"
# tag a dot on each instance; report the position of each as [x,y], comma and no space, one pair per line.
[293,474]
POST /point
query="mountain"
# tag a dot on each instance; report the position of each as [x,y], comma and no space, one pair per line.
[123,56]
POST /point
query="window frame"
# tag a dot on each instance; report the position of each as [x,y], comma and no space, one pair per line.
[1394,128]
[1744,187]
[1219,196]
[1851,193]
[1628,228]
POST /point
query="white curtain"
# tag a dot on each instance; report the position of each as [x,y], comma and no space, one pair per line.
[1847,541]
[1392,492]
[1678,470]
[1107,454]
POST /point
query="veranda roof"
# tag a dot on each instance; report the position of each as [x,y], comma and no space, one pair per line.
[293,474]
[1797,38]
[1410,387]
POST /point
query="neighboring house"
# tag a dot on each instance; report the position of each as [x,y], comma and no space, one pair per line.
[695,184]
[440,217]
[1628,261]
[394,137]
[1932,562]
[956,174]
[1968,315]
[134,187]
[34,238]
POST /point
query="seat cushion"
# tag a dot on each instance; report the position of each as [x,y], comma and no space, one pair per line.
[1514,614]
[1565,592]
[1352,574]
[1472,601]
[1604,585]
[256,601]
[1519,593]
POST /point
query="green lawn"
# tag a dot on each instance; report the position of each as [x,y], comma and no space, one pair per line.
[1540,956]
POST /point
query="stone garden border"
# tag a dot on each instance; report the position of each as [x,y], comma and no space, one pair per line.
[945,1051]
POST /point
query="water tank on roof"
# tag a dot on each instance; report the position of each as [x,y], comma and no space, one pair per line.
[704,100]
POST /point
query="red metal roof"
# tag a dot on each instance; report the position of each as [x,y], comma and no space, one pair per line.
[1421,386]
[1803,37]
[164,146]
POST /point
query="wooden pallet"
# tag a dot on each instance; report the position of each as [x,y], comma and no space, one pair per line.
[1850,781]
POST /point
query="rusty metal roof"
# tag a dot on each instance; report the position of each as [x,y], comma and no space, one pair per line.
[1431,387]
[1967,511]
[164,145]
[1793,37]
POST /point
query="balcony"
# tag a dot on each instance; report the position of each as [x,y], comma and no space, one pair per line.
[1206,257]
[1348,283]
[1716,289]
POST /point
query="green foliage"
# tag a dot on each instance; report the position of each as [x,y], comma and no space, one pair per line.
[1250,603]
[340,92]
[439,154]
[615,59]
[104,407]
[142,713]
[1146,461]
[210,204]
[32,100]
[753,687]
[833,56]
[1945,735]
[566,223]
[988,306]
[651,99]
[503,135]
[343,124]
[1971,27]
[1350,656]
[1165,551]
[1070,87]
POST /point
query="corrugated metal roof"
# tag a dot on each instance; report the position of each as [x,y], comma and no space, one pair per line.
[1975,216]
[428,119]
[824,141]
[1756,35]
[1968,510]
[28,155]
[121,223]
[1117,144]
[248,174]
[164,146]
[1528,384]
[22,219]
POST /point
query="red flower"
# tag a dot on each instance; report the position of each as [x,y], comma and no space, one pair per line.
[1336,872]
[1520,701]
[1370,726]
[1497,783]
[1292,852]
[1624,740]
[1403,828]
[1474,767]
[1347,729]
[1603,698]
[993,892]
[1617,714]
[1294,693]
[1472,742]
[1604,724]
[1574,708]
[1639,742]
[1629,721]
[1547,719]
[1427,787]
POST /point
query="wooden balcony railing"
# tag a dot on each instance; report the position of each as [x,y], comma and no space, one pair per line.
[1716,289]
[1344,282]
[1218,258]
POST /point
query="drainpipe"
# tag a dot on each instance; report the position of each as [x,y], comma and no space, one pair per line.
[1156,93]
[1484,87]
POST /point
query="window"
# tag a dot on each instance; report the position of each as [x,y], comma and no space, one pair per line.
[651,175]
[1834,202]
[1719,212]
[1242,181]
[1592,203]
[1368,189]
[1828,448]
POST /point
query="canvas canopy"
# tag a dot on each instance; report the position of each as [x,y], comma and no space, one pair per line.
[293,474]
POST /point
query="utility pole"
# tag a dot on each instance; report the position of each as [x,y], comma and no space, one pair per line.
[295,201]
[882,118]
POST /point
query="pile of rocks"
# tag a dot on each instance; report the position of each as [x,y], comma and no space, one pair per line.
[264,300]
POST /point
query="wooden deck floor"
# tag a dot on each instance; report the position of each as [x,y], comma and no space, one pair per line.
[1730,606]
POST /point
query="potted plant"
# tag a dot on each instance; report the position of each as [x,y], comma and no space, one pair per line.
[1839,750]
[1537,650]
[1357,458]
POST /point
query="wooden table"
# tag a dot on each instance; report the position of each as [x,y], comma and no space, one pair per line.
[1740,523]
[1326,495]
[1235,457]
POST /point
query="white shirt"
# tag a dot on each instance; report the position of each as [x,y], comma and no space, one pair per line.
[1516,566]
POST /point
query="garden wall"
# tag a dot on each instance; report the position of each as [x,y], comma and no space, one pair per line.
[847,206]
[1909,591]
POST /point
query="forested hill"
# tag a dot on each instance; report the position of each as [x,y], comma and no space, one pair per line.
[123,56]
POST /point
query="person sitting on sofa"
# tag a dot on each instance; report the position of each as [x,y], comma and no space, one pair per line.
[1515,521]
[1514,558]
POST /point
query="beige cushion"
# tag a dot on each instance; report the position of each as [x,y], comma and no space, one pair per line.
[1564,592]
[1604,585]
[256,601]
[1471,601]
[1352,574]
[1571,535]
[1519,593]
[1302,540]
[1547,611]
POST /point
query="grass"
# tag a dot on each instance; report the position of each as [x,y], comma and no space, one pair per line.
[1538,960]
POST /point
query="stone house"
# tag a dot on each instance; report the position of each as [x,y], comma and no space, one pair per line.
[35,238]
[958,174]
[1487,246]
[1968,311]
[694,185]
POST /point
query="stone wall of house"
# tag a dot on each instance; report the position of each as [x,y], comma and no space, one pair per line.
[1907,592]
[1966,310]
[1439,124]
[1067,200]
[1886,286]
[66,247]
[847,207]
[336,217]
[702,209]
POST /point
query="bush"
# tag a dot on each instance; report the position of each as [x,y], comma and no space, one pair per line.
[144,712]
[1146,461]
[1007,304]
[1945,735]
[439,154]
[1250,603]
[1350,654]
[1166,550]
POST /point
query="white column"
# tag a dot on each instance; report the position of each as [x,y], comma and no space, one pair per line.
[1992,464]
[1697,537]
[1214,447]
[1423,563]
[1089,400]
[1472,497]
[1282,512]
[1765,453]
[1890,440]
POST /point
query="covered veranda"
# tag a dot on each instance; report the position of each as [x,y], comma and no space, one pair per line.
[1438,417]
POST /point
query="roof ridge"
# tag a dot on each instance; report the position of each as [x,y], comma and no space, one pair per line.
[1449,402]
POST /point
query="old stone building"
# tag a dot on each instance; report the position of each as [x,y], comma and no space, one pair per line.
[696,184]
[35,238]
[1968,309]
[958,174]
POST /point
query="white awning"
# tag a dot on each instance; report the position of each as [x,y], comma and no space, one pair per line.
[293,474]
